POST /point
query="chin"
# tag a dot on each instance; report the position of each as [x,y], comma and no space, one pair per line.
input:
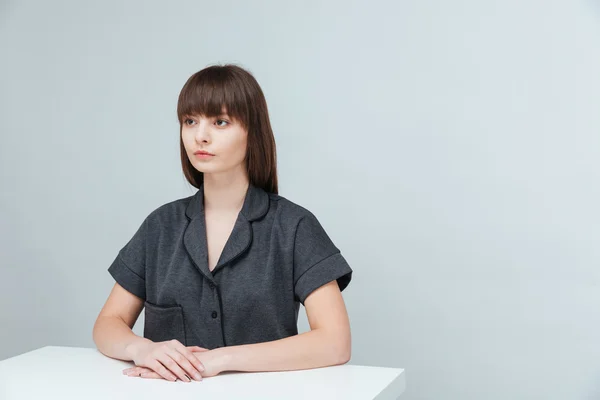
[207,169]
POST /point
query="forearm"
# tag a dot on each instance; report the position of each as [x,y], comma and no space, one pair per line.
[308,350]
[115,339]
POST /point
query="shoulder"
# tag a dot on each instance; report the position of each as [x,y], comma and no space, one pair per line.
[170,213]
[289,211]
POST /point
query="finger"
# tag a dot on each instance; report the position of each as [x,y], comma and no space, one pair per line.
[136,371]
[150,375]
[196,348]
[143,372]
[132,368]
[169,362]
[185,360]
[191,357]
[163,371]
[187,352]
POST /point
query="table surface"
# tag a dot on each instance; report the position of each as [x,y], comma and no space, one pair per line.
[56,372]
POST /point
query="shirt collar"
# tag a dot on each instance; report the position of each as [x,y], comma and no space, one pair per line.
[256,203]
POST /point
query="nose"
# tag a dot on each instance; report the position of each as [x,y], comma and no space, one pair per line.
[202,130]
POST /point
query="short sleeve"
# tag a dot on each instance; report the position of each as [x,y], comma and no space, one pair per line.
[128,268]
[317,261]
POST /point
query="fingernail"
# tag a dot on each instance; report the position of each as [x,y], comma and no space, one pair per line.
[187,377]
[197,376]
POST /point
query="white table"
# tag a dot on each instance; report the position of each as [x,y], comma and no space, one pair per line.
[63,373]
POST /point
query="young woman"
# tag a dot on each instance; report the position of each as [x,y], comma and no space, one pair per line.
[222,273]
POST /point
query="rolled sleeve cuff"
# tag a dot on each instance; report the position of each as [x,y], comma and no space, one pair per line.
[334,267]
[125,277]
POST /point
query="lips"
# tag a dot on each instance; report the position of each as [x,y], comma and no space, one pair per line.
[204,153]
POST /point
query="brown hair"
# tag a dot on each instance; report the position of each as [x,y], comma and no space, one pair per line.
[205,93]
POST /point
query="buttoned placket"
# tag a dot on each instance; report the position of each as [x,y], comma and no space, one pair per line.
[255,205]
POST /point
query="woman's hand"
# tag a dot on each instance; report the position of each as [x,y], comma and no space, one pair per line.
[214,363]
[169,360]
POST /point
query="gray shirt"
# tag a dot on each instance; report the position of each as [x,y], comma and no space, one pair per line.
[277,254]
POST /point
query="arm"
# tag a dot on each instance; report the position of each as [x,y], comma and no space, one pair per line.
[328,342]
[115,339]
[112,331]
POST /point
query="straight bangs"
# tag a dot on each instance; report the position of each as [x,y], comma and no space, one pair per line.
[210,92]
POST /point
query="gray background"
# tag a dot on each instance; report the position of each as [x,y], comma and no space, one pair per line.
[449,148]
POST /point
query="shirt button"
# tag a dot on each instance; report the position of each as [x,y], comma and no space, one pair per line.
[211,285]
[214,314]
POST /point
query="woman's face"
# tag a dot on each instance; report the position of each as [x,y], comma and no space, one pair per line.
[221,136]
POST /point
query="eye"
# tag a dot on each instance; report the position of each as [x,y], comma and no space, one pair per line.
[222,120]
[185,121]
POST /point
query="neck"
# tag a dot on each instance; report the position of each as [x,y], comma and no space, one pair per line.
[225,193]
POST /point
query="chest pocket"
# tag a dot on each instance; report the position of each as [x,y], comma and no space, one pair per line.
[162,323]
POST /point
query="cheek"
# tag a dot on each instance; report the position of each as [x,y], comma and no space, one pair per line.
[237,147]
[242,143]
[188,142]
[242,149]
